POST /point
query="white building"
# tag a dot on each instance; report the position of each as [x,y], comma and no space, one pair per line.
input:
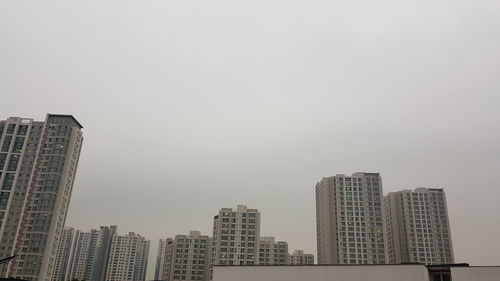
[128,257]
[83,255]
[412,272]
[38,162]
[186,257]
[64,252]
[236,236]
[102,255]
[417,227]
[164,259]
[299,258]
[349,219]
[272,252]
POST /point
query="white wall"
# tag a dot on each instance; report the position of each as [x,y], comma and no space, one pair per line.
[322,273]
[479,273]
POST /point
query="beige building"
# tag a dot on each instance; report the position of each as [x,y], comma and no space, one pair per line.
[236,236]
[38,162]
[83,253]
[272,252]
[299,258]
[349,223]
[186,257]
[64,252]
[164,259]
[127,259]
[102,255]
[417,227]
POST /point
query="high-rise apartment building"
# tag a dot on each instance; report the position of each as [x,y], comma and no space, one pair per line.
[236,236]
[299,258]
[64,252]
[103,255]
[84,248]
[102,251]
[349,221]
[38,162]
[186,257]
[164,259]
[127,259]
[417,227]
[271,252]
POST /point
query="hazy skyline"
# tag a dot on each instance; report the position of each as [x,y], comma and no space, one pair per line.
[191,106]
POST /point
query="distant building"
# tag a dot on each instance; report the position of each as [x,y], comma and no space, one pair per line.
[128,257]
[84,249]
[64,252]
[164,259]
[349,222]
[38,162]
[186,257]
[103,255]
[299,258]
[417,227]
[271,252]
[236,236]
[102,252]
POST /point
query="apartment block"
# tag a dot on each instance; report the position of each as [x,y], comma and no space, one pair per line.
[38,162]
[272,252]
[164,259]
[236,236]
[64,252]
[188,257]
[417,227]
[102,252]
[103,255]
[127,258]
[349,223]
[299,258]
[81,260]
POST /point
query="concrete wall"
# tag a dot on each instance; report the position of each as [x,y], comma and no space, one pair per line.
[479,273]
[323,273]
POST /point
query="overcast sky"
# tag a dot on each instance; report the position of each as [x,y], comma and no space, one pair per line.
[190,106]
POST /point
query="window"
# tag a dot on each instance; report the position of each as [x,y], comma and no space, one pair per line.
[3,157]
[14,160]
[22,130]
[6,143]
[10,128]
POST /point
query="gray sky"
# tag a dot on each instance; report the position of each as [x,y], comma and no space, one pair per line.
[213,103]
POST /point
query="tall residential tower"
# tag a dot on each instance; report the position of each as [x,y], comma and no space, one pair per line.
[38,162]
[299,258]
[102,255]
[236,236]
[186,257]
[272,252]
[417,227]
[349,219]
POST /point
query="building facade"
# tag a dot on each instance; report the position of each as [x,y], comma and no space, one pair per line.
[349,223]
[127,259]
[299,258]
[38,162]
[236,236]
[271,252]
[186,257]
[102,251]
[164,259]
[417,227]
[64,252]
[103,255]
[81,260]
